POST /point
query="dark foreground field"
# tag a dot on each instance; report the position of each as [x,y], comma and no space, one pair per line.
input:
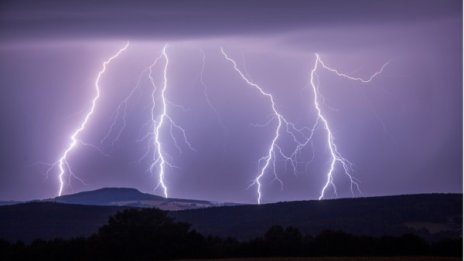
[398,258]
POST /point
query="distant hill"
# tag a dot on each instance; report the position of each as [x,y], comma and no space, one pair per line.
[432,216]
[130,197]
[107,196]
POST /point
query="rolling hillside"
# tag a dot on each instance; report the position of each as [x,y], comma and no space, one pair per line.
[428,215]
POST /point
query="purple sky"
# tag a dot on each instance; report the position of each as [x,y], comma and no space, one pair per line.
[402,132]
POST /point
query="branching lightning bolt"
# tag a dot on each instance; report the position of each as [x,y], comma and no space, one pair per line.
[271,150]
[158,119]
[336,157]
[269,160]
[63,164]
[160,157]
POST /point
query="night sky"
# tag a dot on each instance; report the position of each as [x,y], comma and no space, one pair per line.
[402,131]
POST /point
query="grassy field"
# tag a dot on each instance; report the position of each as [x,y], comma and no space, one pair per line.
[405,258]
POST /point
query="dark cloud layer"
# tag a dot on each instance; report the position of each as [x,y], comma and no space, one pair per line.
[183,19]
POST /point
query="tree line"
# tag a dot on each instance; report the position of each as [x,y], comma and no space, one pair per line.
[150,234]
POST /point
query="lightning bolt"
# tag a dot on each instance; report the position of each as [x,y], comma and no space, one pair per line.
[269,159]
[63,164]
[336,156]
[160,157]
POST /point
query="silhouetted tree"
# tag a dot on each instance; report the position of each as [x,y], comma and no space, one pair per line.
[335,243]
[280,242]
[145,234]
